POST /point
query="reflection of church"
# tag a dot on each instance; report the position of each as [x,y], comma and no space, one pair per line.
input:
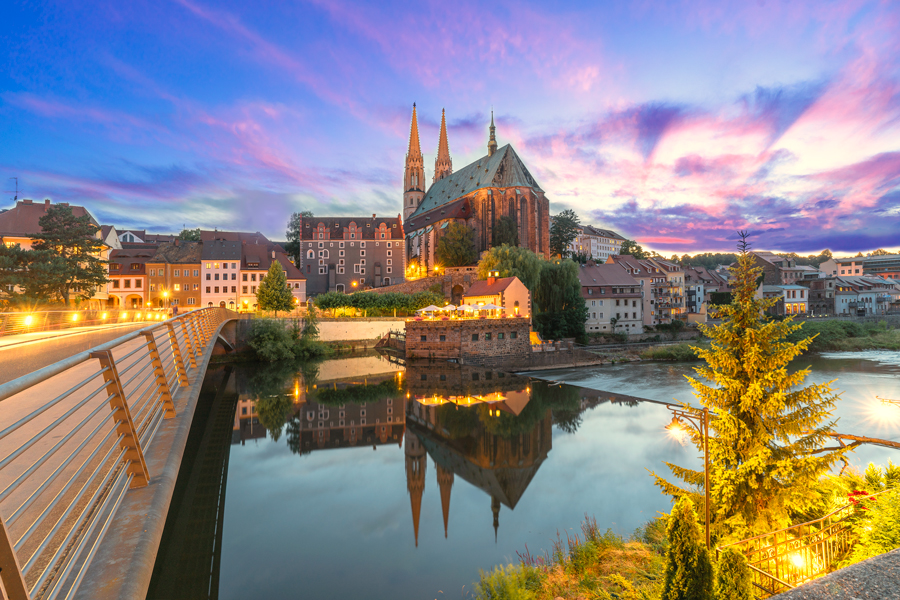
[501,466]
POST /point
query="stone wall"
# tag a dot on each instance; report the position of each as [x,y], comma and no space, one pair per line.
[464,338]
[358,330]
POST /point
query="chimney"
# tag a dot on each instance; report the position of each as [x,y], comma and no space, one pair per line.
[273,254]
[26,201]
[492,277]
[176,241]
[46,203]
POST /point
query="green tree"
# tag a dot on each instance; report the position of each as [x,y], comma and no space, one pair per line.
[21,275]
[273,293]
[294,234]
[689,573]
[733,576]
[512,261]
[766,430]
[506,231]
[879,252]
[560,309]
[633,248]
[563,231]
[71,255]
[456,248]
[191,235]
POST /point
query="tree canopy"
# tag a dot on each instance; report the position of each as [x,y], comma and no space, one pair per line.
[506,231]
[632,248]
[766,430]
[456,248]
[512,261]
[372,302]
[66,256]
[879,252]
[191,235]
[563,231]
[560,309]
[273,293]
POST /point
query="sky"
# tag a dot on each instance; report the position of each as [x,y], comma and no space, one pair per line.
[672,123]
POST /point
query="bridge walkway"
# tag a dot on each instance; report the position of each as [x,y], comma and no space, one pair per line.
[90,449]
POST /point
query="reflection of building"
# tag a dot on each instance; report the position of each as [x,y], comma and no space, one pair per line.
[246,423]
[501,465]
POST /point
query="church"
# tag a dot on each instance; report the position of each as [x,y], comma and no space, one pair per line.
[478,195]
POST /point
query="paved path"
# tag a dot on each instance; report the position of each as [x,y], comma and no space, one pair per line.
[874,579]
[26,353]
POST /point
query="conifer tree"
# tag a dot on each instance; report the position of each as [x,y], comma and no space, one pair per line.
[689,573]
[273,293]
[767,431]
[733,576]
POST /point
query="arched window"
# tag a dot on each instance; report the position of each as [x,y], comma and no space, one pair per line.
[310,254]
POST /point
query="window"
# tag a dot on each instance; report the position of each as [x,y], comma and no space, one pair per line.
[340,270]
[196,273]
[208,290]
[423,338]
[177,273]
[196,286]
[191,300]
[217,289]
[127,283]
[500,335]
[253,277]
[474,337]
[152,288]
[323,270]
[153,272]
[233,289]
[443,338]
[208,276]
[233,276]
[252,289]
[243,277]
[362,252]
[487,337]
[137,267]
[244,289]
[515,334]
[217,277]
[340,252]
[177,287]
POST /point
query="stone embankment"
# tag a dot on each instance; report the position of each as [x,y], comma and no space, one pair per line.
[877,578]
[353,333]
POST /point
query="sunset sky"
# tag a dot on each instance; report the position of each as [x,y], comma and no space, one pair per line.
[672,123]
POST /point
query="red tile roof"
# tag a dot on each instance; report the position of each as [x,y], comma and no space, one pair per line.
[22,219]
[483,288]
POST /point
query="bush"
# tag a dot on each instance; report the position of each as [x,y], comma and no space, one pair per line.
[378,304]
[689,573]
[880,531]
[733,577]
[271,340]
[508,583]
[678,352]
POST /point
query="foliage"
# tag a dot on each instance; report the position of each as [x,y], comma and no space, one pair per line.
[879,252]
[879,532]
[359,394]
[373,303]
[709,260]
[561,311]
[273,293]
[672,329]
[689,574]
[273,412]
[66,255]
[733,577]
[581,258]
[456,248]
[633,248]
[677,352]
[294,234]
[506,231]
[590,565]
[512,261]
[849,335]
[272,340]
[765,429]
[20,275]
[190,235]
[718,298]
[563,231]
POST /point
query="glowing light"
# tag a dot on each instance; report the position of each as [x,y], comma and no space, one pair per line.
[676,430]
[797,560]
[165,294]
[28,320]
[885,412]
[74,317]
[104,316]
[125,315]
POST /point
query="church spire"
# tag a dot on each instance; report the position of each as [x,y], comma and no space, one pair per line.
[414,174]
[495,508]
[445,482]
[443,166]
[492,143]
[415,477]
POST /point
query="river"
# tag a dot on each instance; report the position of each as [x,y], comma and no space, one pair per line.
[357,478]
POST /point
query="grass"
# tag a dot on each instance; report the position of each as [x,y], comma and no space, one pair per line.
[592,565]
[849,335]
[677,352]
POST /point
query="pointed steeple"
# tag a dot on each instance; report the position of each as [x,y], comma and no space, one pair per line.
[445,482]
[415,477]
[495,508]
[414,174]
[492,143]
[443,166]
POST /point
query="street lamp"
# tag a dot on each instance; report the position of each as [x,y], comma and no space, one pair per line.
[166,299]
[701,422]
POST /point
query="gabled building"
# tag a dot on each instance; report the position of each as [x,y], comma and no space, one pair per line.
[613,299]
[887,266]
[128,283]
[174,275]
[507,292]
[255,263]
[346,254]
[646,276]
[780,270]
[596,243]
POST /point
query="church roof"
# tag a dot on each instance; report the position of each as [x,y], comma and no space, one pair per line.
[503,169]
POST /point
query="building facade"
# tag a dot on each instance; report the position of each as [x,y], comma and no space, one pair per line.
[613,297]
[174,276]
[507,292]
[595,243]
[478,196]
[345,254]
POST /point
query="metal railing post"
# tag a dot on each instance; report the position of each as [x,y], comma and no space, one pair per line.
[10,571]
[189,341]
[176,354]
[165,394]
[130,442]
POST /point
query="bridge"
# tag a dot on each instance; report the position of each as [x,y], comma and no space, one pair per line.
[90,449]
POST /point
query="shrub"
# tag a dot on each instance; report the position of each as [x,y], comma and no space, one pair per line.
[688,573]
[880,531]
[271,340]
[733,577]
[508,583]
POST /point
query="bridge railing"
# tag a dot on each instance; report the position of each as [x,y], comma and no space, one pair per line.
[72,442]
[16,323]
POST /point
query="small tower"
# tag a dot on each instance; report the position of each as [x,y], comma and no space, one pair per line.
[492,143]
[495,508]
[414,175]
[415,477]
[443,166]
